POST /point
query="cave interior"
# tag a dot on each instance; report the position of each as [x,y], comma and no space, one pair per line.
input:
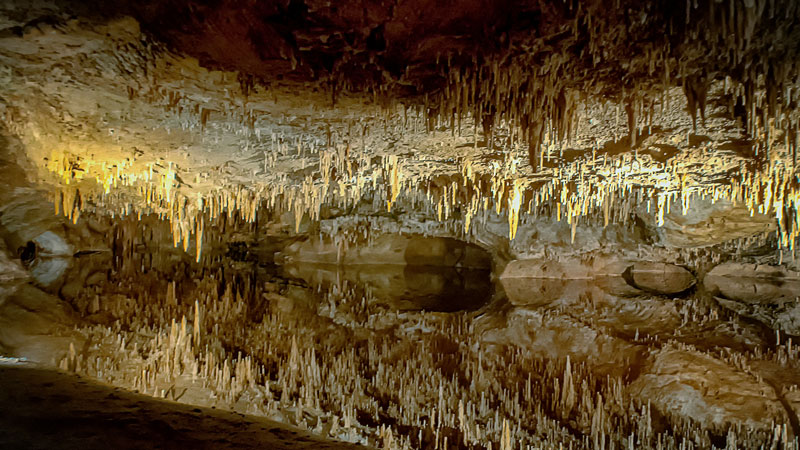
[408,224]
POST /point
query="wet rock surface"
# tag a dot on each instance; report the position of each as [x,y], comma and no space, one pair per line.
[36,325]
[10,269]
[766,293]
[752,283]
[691,384]
[614,275]
[81,413]
[554,337]
[389,250]
[405,287]
[659,278]
[708,222]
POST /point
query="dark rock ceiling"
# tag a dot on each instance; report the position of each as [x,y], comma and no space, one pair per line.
[525,62]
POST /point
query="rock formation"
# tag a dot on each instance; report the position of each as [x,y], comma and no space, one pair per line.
[416,224]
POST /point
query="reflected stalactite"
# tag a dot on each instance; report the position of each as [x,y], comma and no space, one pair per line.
[562,137]
[335,357]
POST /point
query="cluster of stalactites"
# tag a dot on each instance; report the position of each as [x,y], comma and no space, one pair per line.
[533,103]
[591,190]
[537,83]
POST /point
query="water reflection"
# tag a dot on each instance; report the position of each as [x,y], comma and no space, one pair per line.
[429,288]
[754,290]
[354,350]
[553,292]
[614,307]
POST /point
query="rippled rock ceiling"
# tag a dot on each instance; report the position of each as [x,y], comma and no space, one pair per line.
[420,224]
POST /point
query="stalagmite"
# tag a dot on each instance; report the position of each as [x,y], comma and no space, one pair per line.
[265,173]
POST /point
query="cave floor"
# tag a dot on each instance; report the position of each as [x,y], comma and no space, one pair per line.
[48,409]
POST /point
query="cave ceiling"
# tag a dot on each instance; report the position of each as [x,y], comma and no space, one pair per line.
[581,110]
[527,62]
[583,190]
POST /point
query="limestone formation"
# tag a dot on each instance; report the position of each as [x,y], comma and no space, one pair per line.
[659,278]
[465,224]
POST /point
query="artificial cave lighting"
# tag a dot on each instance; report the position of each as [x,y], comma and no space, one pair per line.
[420,225]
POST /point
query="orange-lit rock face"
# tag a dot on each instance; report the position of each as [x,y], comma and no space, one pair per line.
[413,224]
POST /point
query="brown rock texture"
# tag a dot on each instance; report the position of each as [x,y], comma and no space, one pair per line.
[691,384]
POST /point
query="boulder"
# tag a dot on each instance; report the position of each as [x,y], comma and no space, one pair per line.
[694,385]
[659,278]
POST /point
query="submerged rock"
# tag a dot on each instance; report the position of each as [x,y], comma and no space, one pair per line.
[694,385]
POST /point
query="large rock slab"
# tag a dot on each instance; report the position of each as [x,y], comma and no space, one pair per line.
[545,281]
[396,249]
[25,215]
[628,317]
[408,287]
[52,244]
[768,294]
[550,282]
[10,269]
[659,278]
[694,385]
[571,268]
[540,292]
[34,324]
[556,337]
[753,283]
[707,222]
